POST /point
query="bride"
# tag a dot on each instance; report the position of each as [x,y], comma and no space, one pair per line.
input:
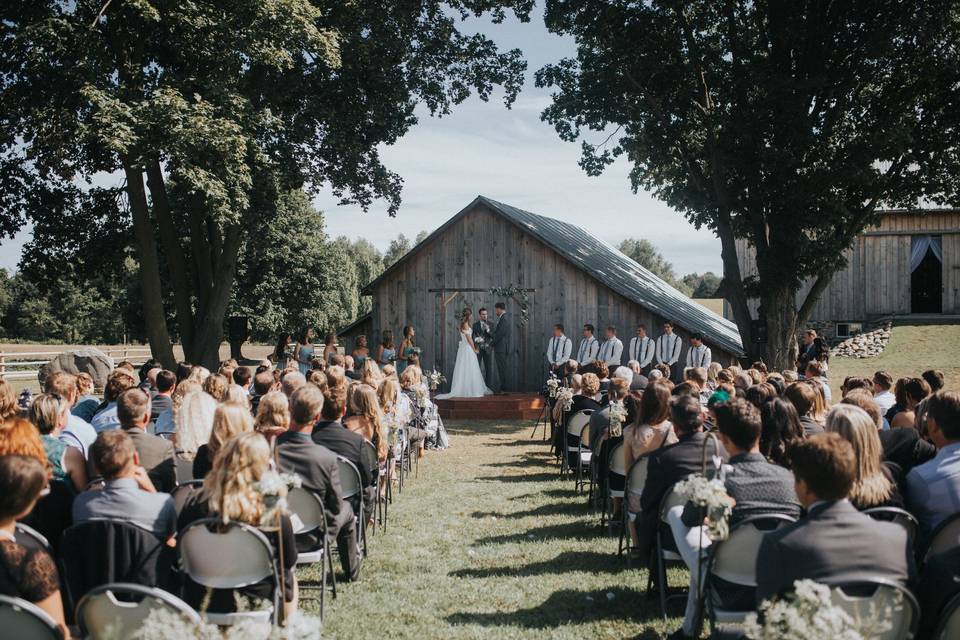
[467,381]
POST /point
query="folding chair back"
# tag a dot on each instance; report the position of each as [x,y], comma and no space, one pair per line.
[616,463]
[637,476]
[881,595]
[228,556]
[32,539]
[118,610]
[26,621]
[670,500]
[182,492]
[949,626]
[577,422]
[898,516]
[945,537]
[307,507]
[735,559]
[351,483]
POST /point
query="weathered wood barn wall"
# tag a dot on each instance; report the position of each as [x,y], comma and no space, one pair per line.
[878,280]
[490,245]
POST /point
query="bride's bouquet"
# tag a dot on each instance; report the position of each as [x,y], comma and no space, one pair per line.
[712,495]
[434,379]
[618,415]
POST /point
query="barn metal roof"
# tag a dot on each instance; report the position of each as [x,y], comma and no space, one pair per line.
[610,267]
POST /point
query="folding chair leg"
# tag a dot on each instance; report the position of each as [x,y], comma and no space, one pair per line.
[662,579]
[323,576]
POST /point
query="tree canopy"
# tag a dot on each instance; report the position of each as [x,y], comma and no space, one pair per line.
[786,124]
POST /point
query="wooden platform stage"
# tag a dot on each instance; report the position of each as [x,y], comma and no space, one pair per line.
[508,406]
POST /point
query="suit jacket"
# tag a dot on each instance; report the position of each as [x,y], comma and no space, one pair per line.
[905,448]
[343,442]
[156,456]
[668,466]
[159,404]
[639,382]
[487,334]
[318,470]
[939,581]
[501,334]
[834,541]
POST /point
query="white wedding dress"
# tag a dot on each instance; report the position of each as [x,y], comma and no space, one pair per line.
[467,380]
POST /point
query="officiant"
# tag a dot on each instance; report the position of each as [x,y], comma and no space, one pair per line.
[483,338]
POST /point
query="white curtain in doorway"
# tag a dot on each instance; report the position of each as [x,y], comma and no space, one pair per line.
[918,249]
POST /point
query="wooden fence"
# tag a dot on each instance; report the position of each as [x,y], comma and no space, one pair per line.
[23,365]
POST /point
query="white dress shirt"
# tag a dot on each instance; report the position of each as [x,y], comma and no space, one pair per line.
[641,350]
[699,356]
[587,353]
[668,349]
[610,352]
[559,349]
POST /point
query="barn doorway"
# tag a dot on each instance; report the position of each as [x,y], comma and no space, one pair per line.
[926,275]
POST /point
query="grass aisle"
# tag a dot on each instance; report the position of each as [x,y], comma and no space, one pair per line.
[489,543]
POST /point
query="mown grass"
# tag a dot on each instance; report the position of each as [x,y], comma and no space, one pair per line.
[488,542]
[912,349]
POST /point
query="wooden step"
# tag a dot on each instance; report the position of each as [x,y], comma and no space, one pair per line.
[511,406]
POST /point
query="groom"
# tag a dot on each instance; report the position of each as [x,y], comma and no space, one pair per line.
[483,338]
[501,343]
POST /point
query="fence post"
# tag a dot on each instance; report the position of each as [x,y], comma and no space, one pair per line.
[3,364]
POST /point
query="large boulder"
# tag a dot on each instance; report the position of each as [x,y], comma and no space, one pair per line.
[87,360]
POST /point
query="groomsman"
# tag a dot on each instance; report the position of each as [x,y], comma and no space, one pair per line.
[669,346]
[589,348]
[558,350]
[611,351]
[641,349]
[698,355]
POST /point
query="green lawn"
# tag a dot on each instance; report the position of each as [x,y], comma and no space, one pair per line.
[911,350]
[489,543]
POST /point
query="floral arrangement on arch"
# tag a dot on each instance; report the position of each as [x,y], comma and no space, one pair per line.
[711,494]
[810,613]
[513,291]
[618,415]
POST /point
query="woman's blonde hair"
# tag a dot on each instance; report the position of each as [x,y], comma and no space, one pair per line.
[229,420]
[389,371]
[365,404]
[194,419]
[84,384]
[871,487]
[819,410]
[387,394]
[199,374]
[713,370]
[236,393]
[229,487]
[46,411]
[181,391]
[273,412]
[371,374]
[216,385]
[590,385]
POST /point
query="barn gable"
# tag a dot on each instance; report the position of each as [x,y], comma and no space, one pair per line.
[605,264]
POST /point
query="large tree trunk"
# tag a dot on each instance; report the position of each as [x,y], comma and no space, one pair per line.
[733,289]
[778,303]
[154,318]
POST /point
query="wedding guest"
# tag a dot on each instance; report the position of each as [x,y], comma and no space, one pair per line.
[780,429]
[281,355]
[882,382]
[387,352]
[915,390]
[698,355]
[228,420]
[933,488]
[195,411]
[243,379]
[27,573]
[366,418]
[273,415]
[611,351]
[803,396]
[873,485]
[589,348]
[360,353]
[641,349]
[156,454]
[236,393]
[903,447]
[416,431]
[216,385]
[304,350]
[161,399]
[900,393]
[833,540]
[807,350]
[105,418]
[78,433]
[934,378]
[407,347]
[638,382]
[290,381]
[49,414]
[558,351]
[669,346]
[371,375]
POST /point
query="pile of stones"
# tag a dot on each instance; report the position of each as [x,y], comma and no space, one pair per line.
[865,345]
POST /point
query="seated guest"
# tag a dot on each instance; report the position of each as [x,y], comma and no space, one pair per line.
[915,390]
[903,447]
[229,419]
[319,471]
[367,419]
[26,573]
[290,381]
[585,400]
[815,374]
[638,382]
[600,420]
[263,383]
[759,394]
[106,416]
[87,403]
[780,429]
[242,378]
[900,393]
[882,383]
[934,378]
[78,432]
[229,495]
[161,399]
[273,415]
[803,396]
[166,423]
[194,421]
[216,385]
[873,486]
[128,494]
[933,488]
[156,454]
[833,541]
[939,582]
[669,465]
[416,433]
[330,433]
[757,488]
[49,414]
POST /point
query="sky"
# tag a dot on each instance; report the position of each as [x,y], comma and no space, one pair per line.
[511,156]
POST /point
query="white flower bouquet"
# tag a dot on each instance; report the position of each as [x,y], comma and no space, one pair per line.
[618,415]
[810,613]
[552,386]
[417,351]
[565,398]
[421,397]
[712,495]
[480,341]
[162,624]
[434,379]
[273,488]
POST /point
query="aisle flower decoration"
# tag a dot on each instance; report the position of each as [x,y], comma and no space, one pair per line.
[421,397]
[163,623]
[711,495]
[565,398]
[553,384]
[618,415]
[810,613]
[434,379]
[273,488]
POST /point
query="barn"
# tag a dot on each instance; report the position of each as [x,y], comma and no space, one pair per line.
[547,271]
[906,267]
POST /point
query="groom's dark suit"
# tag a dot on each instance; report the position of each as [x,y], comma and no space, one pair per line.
[501,344]
[485,352]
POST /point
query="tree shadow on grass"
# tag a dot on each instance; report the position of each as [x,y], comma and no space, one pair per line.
[527,477]
[567,530]
[527,463]
[550,509]
[566,562]
[569,606]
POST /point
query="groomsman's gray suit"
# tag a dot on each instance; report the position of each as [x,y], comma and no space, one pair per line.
[501,344]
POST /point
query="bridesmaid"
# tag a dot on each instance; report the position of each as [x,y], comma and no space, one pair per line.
[360,353]
[281,355]
[407,347]
[329,347]
[304,351]
[387,352]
